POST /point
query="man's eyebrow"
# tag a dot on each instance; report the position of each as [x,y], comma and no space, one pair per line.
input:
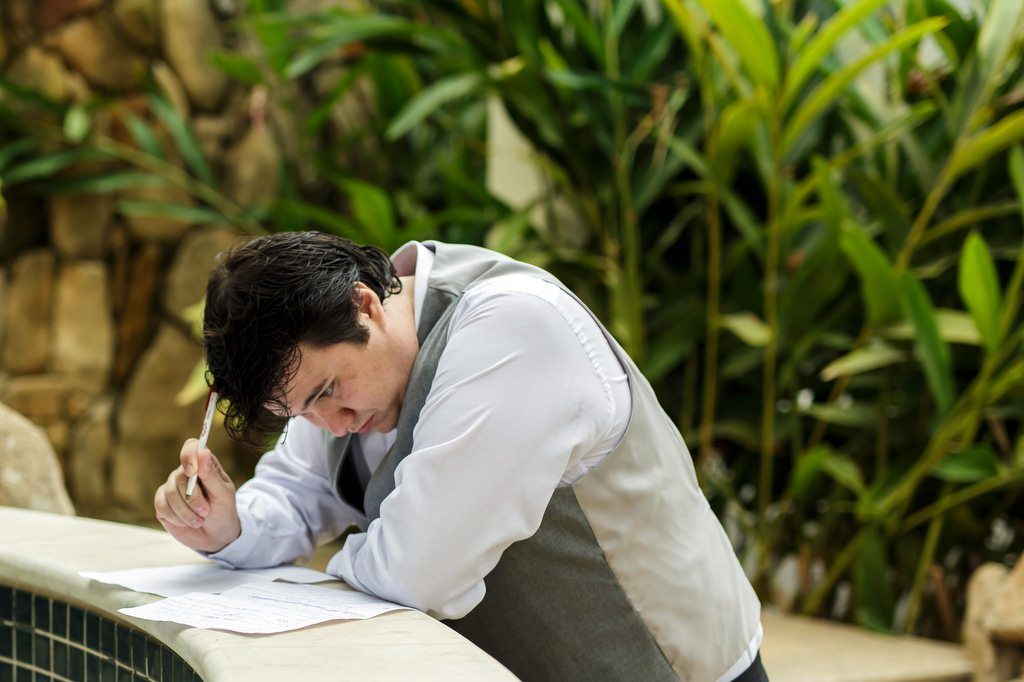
[312,396]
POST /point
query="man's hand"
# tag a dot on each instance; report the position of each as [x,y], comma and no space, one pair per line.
[208,520]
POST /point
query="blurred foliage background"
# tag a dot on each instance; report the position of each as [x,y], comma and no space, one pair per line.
[802,218]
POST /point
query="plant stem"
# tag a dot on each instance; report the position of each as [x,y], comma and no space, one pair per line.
[813,602]
[931,541]
[707,415]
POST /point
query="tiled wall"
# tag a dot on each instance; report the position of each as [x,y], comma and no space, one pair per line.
[43,639]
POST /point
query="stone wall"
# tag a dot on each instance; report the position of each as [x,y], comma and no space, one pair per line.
[94,345]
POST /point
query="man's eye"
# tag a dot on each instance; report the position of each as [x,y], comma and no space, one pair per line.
[327,392]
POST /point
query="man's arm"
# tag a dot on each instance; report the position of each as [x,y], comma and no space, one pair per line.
[516,402]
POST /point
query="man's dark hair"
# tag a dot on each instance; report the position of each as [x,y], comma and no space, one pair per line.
[270,294]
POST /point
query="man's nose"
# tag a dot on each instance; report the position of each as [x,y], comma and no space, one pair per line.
[338,420]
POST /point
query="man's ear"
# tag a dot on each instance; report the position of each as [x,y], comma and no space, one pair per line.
[369,303]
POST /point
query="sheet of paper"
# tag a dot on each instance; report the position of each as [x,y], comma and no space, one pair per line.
[263,608]
[171,581]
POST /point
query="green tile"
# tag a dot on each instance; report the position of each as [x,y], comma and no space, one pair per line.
[76,663]
[41,608]
[6,672]
[41,647]
[23,645]
[6,602]
[59,623]
[6,640]
[124,645]
[92,631]
[108,642]
[60,659]
[153,659]
[139,652]
[92,667]
[23,674]
[76,625]
[22,607]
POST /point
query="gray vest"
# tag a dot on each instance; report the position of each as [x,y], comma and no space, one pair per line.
[630,576]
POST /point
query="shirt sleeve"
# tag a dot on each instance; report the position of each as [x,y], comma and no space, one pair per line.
[515,400]
[290,506]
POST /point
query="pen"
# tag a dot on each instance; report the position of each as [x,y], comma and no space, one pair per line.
[211,406]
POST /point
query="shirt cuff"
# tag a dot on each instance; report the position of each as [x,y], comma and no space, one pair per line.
[234,554]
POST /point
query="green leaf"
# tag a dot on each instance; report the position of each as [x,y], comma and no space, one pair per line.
[345,29]
[845,472]
[737,125]
[748,36]
[49,165]
[183,138]
[584,27]
[297,212]
[830,90]
[433,98]
[1000,135]
[14,150]
[811,57]
[104,184]
[76,124]
[1016,165]
[748,326]
[979,289]
[238,67]
[931,351]
[955,326]
[372,209]
[871,357]
[807,470]
[998,34]
[972,465]
[877,278]
[856,416]
[186,214]
[872,593]
[145,137]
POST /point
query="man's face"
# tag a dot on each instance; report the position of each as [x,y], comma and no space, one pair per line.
[350,387]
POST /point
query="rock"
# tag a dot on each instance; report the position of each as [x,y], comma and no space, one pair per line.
[41,71]
[84,348]
[40,397]
[190,37]
[158,227]
[152,427]
[186,280]
[251,168]
[79,224]
[991,592]
[3,305]
[92,46]
[90,456]
[29,309]
[138,19]
[1006,618]
[52,13]
[30,475]
[136,319]
[171,86]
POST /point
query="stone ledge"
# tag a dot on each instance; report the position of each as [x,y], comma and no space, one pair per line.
[44,552]
[800,649]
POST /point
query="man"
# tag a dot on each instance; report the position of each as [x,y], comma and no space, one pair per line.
[508,466]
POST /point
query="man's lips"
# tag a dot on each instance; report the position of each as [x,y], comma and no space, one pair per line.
[365,427]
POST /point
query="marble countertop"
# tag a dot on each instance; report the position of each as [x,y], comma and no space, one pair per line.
[44,552]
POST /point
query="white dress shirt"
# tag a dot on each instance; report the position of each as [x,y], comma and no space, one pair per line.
[528,396]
